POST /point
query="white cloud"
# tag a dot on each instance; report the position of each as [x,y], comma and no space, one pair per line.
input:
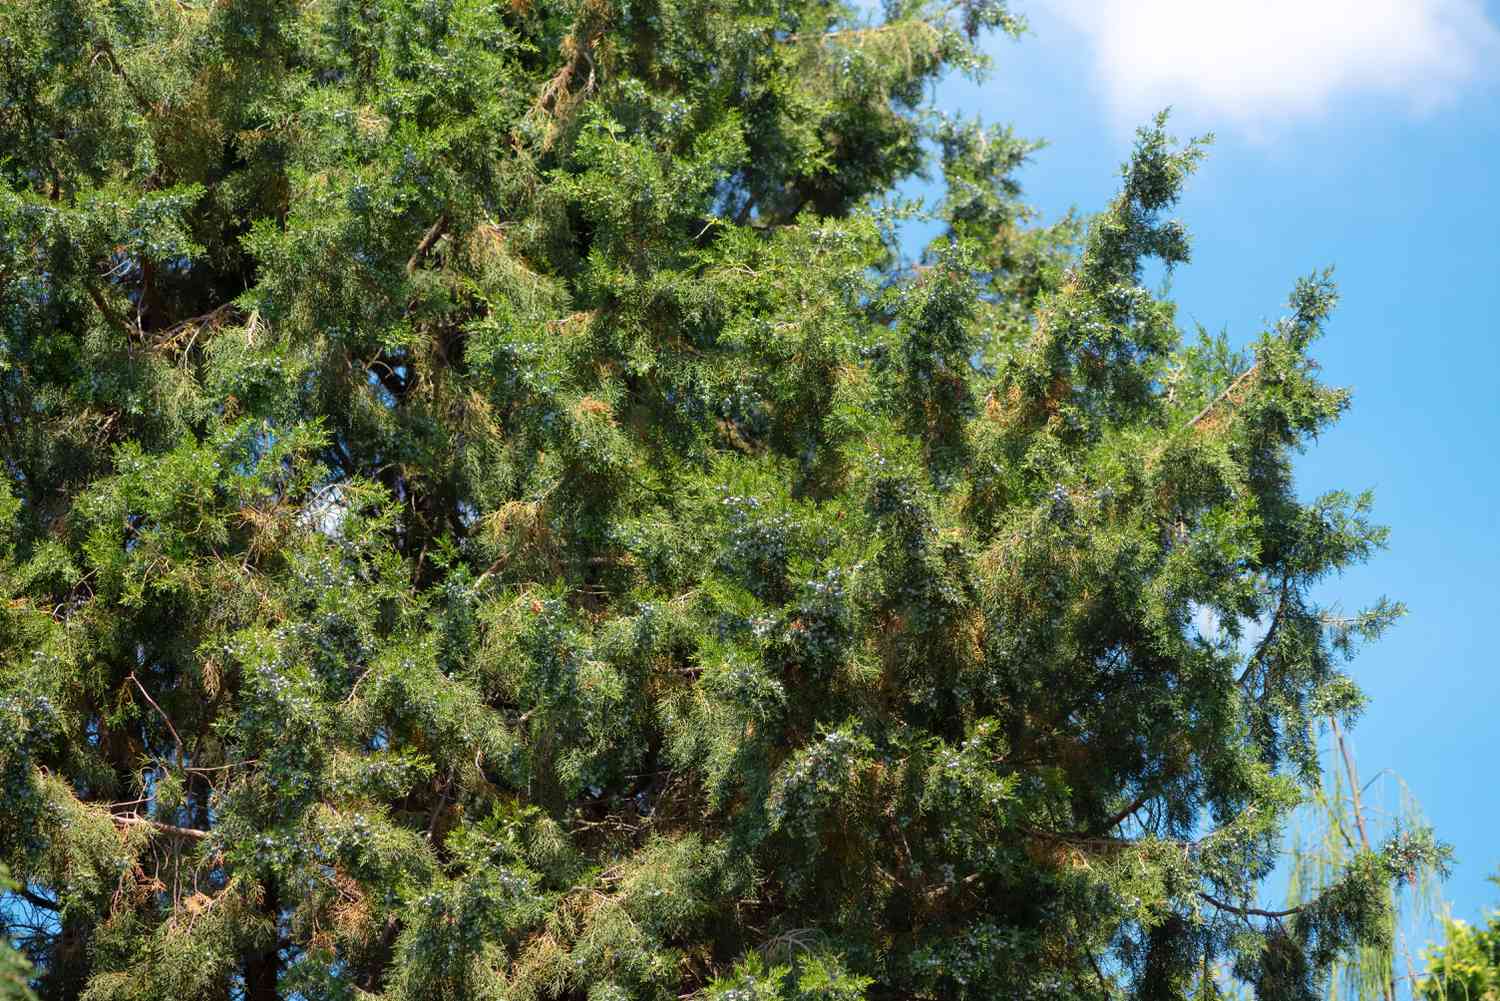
[1260,62]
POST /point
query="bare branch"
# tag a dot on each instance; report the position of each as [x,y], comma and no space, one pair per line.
[1248,911]
[1354,787]
[131,820]
[163,715]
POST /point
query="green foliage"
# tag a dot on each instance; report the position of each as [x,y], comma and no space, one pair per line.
[489,512]
[1466,965]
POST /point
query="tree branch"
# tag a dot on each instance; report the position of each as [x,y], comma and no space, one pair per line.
[428,239]
[139,98]
[37,900]
[1354,787]
[1224,395]
[1101,841]
[109,312]
[131,820]
[1248,911]
[1265,641]
[1120,818]
[163,715]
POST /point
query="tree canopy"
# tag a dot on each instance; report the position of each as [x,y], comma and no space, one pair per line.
[490,511]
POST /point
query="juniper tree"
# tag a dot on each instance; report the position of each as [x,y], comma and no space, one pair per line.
[490,512]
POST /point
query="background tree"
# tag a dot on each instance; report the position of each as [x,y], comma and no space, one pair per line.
[1343,816]
[1467,964]
[489,512]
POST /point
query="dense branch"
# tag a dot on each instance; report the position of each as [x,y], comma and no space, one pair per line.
[109,312]
[862,33]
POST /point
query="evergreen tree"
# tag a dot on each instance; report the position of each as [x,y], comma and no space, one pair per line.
[490,513]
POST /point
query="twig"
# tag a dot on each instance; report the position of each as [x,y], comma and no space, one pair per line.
[163,715]
[354,688]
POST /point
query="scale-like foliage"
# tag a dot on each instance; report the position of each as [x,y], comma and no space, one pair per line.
[487,513]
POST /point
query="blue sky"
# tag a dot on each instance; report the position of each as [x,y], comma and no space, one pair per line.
[1363,134]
